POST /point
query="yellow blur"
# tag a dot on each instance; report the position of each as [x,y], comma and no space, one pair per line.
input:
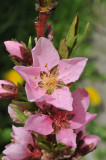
[13,76]
[95,98]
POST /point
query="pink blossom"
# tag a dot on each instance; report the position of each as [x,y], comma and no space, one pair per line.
[19,51]
[22,147]
[13,47]
[8,89]
[49,76]
[88,144]
[62,122]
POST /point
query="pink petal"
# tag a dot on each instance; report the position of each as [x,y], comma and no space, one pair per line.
[90,117]
[12,112]
[90,139]
[34,94]
[40,123]
[21,135]
[80,100]
[67,137]
[45,53]
[71,69]
[78,120]
[13,48]
[16,151]
[6,158]
[30,74]
[80,105]
[61,98]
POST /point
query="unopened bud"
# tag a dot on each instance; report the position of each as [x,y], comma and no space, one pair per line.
[19,52]
[27,55]
[8,89]
[89,144]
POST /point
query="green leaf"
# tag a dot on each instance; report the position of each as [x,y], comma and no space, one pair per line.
[25,105]
[30,43]
[60,146]
[20,115]
[43,143]
[63,50]
[71,37]
[21,93]
[17,63]
[5,135]
[41,138]
[86,28]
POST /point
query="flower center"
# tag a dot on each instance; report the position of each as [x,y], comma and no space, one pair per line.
[50,80]
[61,120]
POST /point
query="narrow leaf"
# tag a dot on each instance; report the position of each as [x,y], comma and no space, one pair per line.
[20,115]
[44,143]
[17,63]
[25,105]
[30,43]
[86,29]
[60,146]
[73,31]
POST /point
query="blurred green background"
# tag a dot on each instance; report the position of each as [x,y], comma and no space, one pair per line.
[16,21]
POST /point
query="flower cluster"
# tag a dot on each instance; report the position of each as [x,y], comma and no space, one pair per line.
[53,118]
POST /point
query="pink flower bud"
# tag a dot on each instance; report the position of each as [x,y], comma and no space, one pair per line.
[89,143]
[19,51]
[13,47]
[8,89]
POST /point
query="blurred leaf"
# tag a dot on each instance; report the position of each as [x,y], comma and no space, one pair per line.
[43,143]
[21,93]
[100,154]
[60,146]
[30,43]
[17,63]
[5,135]
[25,105]
[1,155]
[97,130]
[20,115]
[41,138]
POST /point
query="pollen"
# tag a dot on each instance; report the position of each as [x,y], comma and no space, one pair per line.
[49,80]
[46,64]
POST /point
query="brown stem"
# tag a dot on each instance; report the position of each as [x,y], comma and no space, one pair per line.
[44,14]
[41,24]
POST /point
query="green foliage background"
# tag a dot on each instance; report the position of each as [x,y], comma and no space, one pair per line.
[16,21]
